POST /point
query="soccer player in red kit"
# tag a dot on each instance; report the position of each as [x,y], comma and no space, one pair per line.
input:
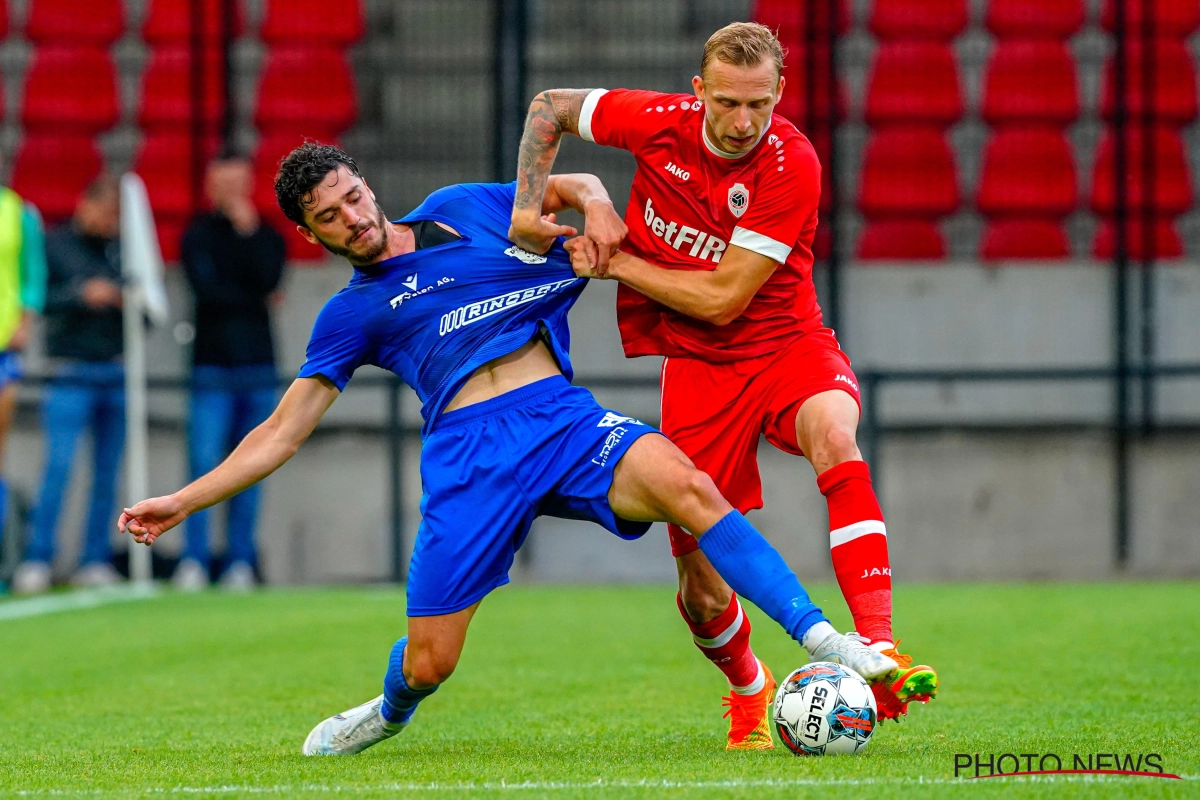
[716,275]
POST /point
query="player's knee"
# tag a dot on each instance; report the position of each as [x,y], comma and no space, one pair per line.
[690,492]
[836,444]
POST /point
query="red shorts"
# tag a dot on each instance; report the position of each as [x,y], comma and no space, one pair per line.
[716,412]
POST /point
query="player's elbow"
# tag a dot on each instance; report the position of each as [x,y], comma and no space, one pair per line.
[725,312]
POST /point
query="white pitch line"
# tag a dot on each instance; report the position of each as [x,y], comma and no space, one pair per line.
[544,786]
[72,601]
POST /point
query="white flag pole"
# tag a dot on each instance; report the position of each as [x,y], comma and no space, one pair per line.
[145,296]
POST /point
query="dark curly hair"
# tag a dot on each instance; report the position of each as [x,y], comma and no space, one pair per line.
[301,170]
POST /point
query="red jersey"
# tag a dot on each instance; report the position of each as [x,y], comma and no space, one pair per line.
[689,202]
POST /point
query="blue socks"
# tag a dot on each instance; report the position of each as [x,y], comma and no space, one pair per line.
[755,570]
[399,701]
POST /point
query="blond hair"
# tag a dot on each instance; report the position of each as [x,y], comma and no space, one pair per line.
[743,44]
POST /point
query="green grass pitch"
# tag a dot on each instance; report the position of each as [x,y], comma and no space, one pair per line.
[581,692]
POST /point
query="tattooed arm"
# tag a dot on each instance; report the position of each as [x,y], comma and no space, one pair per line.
[551,114]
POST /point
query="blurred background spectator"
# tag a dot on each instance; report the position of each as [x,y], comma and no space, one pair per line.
[84,341]
[22,295]
[234,262]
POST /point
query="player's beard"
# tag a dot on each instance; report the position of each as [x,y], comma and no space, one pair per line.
[362,258]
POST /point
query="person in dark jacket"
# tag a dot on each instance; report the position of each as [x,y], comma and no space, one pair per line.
[84,340]
[234,262]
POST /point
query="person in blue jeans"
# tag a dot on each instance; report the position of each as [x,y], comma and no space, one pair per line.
[234,263]
[84,340]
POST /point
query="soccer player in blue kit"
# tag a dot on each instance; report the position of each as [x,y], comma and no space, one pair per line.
[478,327]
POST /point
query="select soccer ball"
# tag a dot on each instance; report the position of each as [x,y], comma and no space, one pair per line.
[824,709]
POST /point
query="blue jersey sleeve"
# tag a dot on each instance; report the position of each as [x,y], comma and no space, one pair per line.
[338,345]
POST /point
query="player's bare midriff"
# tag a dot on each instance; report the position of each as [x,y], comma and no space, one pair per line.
[532,362]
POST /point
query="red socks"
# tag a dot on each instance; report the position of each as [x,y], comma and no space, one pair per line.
[858,546]
[725,641]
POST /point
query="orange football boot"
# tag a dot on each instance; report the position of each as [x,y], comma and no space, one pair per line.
[919,683]
[749,716]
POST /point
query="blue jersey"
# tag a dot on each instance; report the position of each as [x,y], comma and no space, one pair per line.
[436,315]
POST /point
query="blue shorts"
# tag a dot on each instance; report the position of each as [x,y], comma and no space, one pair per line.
[10,367]
[488,470]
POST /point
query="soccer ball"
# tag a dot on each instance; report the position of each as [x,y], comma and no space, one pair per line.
[824,709]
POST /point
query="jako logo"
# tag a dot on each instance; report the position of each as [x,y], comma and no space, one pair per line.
[844,379]
[470,314]
[610,441]
[867,573]
[612,420]
[524,255]
[677,171]
[704,245]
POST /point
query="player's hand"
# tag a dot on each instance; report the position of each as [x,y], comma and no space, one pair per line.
[583,257]
[605,229]
[536,234]
[20,336]
[151,518]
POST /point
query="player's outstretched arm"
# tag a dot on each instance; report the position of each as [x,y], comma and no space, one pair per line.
[718,296]
[551,114]
[264,450]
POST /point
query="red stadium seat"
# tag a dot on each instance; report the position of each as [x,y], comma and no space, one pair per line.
[908,172]
[1174,93]
[52,170]
[1172,179]
[1174,18]
[1040,19]
[1024,239]
[164,161]
[901,239]
[790,18]
[3,19]
[794,103]
[312,22]
[1166,242]
[1031,81]
[271,150]
[939,20]
[170,237]
[1028,172]
[166,97]
[286,100]
[170,21]
[76,22]
[914,82]
[71,88]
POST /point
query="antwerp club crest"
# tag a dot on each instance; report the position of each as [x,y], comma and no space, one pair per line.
[739,199]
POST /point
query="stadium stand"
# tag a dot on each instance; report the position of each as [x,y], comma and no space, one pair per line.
[790,19]
[286,101]
[1173,99]
[70,89]
[165,99]
[908,171]
[310,22]
[914,82]
[794,103]
[170,22]
[95,23]
[1034,19]
[933,20]
[1030,80]
[1028,187]
[71,159]
[1171,18]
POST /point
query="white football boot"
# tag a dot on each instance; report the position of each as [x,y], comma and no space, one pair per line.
[872,665]
[352,731]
